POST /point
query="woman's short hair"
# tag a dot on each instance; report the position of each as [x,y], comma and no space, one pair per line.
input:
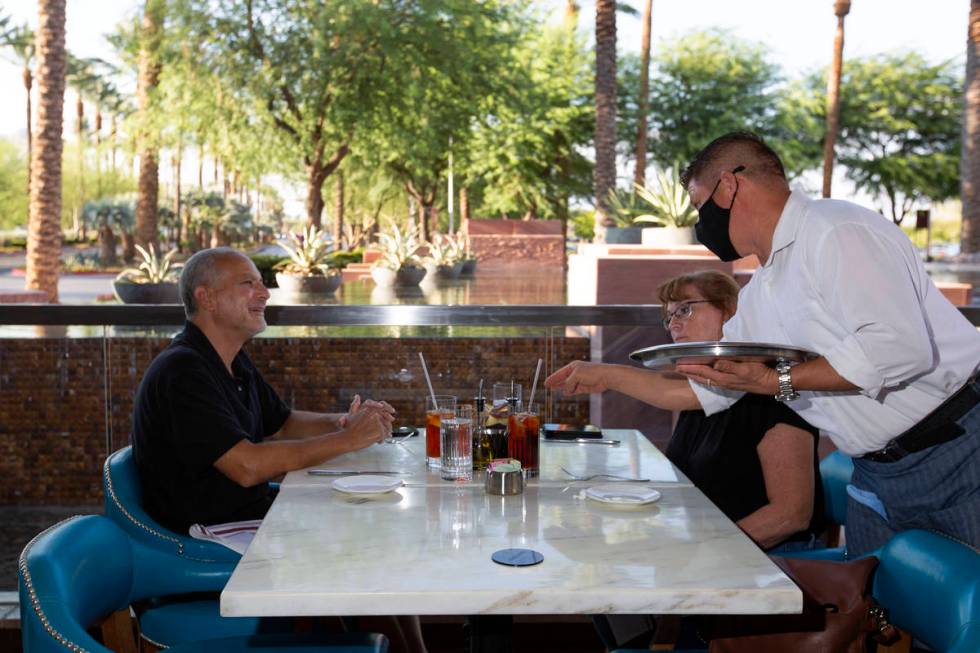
[719,288]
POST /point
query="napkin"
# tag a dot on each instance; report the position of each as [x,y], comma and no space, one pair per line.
[235,535]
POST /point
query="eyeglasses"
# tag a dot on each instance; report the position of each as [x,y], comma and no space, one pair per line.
[682,312]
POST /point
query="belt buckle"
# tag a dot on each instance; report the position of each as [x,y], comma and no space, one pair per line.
[890,453]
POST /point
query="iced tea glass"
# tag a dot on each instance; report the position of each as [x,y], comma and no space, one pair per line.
[444,407]
[456,435]
[523,430]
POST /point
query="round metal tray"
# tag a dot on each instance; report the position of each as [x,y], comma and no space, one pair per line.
[664,357]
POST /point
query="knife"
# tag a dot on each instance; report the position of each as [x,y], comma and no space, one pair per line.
[349,472]
[611,443]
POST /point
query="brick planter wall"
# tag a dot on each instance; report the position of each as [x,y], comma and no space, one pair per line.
[63,410]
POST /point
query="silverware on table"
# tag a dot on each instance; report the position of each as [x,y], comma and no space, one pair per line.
[613,477]
[347,472]
[610,443]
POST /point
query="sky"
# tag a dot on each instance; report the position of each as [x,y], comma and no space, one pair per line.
[798,33]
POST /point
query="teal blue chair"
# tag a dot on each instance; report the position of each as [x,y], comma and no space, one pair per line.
[835,474]
[76,573]
[182,564]
[930,586]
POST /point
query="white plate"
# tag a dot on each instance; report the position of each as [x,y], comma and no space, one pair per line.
[622,494]
[367,484]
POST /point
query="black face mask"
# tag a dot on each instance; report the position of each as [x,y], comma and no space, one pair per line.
[712,227]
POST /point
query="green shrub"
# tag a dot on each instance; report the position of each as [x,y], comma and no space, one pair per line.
[340,260]
[266,264]
[583,224]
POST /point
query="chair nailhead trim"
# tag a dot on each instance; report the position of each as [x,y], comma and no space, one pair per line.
[32,593]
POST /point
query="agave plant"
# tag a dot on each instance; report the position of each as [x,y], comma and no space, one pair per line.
[669,204]
[399,248]
[446,249]
[309,254]
[153,269]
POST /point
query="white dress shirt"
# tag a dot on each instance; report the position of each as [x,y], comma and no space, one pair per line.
[846,283]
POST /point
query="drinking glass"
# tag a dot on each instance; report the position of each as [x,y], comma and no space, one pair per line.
[444,406]
[506,399]
[523,430]
[456,434]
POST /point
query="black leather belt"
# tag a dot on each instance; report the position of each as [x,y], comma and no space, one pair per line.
[935,428]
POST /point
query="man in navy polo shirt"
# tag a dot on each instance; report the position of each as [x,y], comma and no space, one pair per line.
[208,431]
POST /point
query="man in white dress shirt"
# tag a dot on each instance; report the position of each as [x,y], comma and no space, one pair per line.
[895,384]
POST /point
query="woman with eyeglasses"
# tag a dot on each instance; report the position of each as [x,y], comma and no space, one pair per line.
[757,461]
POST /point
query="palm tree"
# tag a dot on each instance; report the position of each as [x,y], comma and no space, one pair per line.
[21,41]
[970,159]
[44,223]
[149,77]
[640,176]
[80,76]
[604,174]
[841,9]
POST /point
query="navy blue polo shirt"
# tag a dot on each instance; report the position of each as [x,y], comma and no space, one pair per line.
[188,412]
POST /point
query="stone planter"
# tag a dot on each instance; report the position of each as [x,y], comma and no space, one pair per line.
[469,267]
[450,271]
[668,236]
[317,284]
[383,276]
[145,293]
[623,235]
[409,275]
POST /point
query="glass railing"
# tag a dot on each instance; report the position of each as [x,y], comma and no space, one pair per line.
[68,375]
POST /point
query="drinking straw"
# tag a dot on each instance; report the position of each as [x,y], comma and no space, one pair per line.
[428,382]
[479,392]
[534,384]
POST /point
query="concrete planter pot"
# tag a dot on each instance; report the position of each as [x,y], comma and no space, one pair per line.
[668,236]
[469,267]
[146,293]
[409,275]
[450,271]
[383,277]
[623,235]
[317,284]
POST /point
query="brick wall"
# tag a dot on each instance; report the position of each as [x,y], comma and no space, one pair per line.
[507,241]
[63,409]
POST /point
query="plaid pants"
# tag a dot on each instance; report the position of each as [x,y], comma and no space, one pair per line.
[937,488]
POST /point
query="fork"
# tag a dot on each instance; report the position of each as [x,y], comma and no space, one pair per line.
[609,476]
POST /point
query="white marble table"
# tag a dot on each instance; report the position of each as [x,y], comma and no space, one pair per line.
[426,548]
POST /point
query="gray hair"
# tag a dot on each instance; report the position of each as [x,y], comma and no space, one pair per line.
[732,150]
[201,270]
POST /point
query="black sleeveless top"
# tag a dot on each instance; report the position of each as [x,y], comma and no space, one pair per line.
[718,453]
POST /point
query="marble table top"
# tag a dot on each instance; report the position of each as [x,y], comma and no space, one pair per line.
[425,548]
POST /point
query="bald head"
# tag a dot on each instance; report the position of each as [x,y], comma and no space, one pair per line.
[730,151]
[202,269]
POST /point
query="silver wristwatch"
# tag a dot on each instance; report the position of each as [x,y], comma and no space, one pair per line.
[785,380]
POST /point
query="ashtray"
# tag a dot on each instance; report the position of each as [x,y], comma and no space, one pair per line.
[504,478]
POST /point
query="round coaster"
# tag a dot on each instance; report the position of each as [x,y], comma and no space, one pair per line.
[517,557]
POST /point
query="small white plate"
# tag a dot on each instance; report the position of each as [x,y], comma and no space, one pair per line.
[367,484]
[622,494]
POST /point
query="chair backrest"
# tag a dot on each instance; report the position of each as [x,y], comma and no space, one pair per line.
[930,585]
[70,577]
[835,474]
[164,559]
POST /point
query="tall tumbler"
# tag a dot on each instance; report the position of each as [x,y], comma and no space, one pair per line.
[444,407]
[456,435]
[523,433]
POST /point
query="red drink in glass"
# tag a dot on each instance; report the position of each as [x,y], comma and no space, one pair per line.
[443,408]
[522,440]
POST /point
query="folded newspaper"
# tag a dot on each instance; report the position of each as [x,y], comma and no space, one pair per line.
[236,535]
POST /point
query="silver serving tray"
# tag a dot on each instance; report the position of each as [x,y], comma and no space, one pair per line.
[664,357]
